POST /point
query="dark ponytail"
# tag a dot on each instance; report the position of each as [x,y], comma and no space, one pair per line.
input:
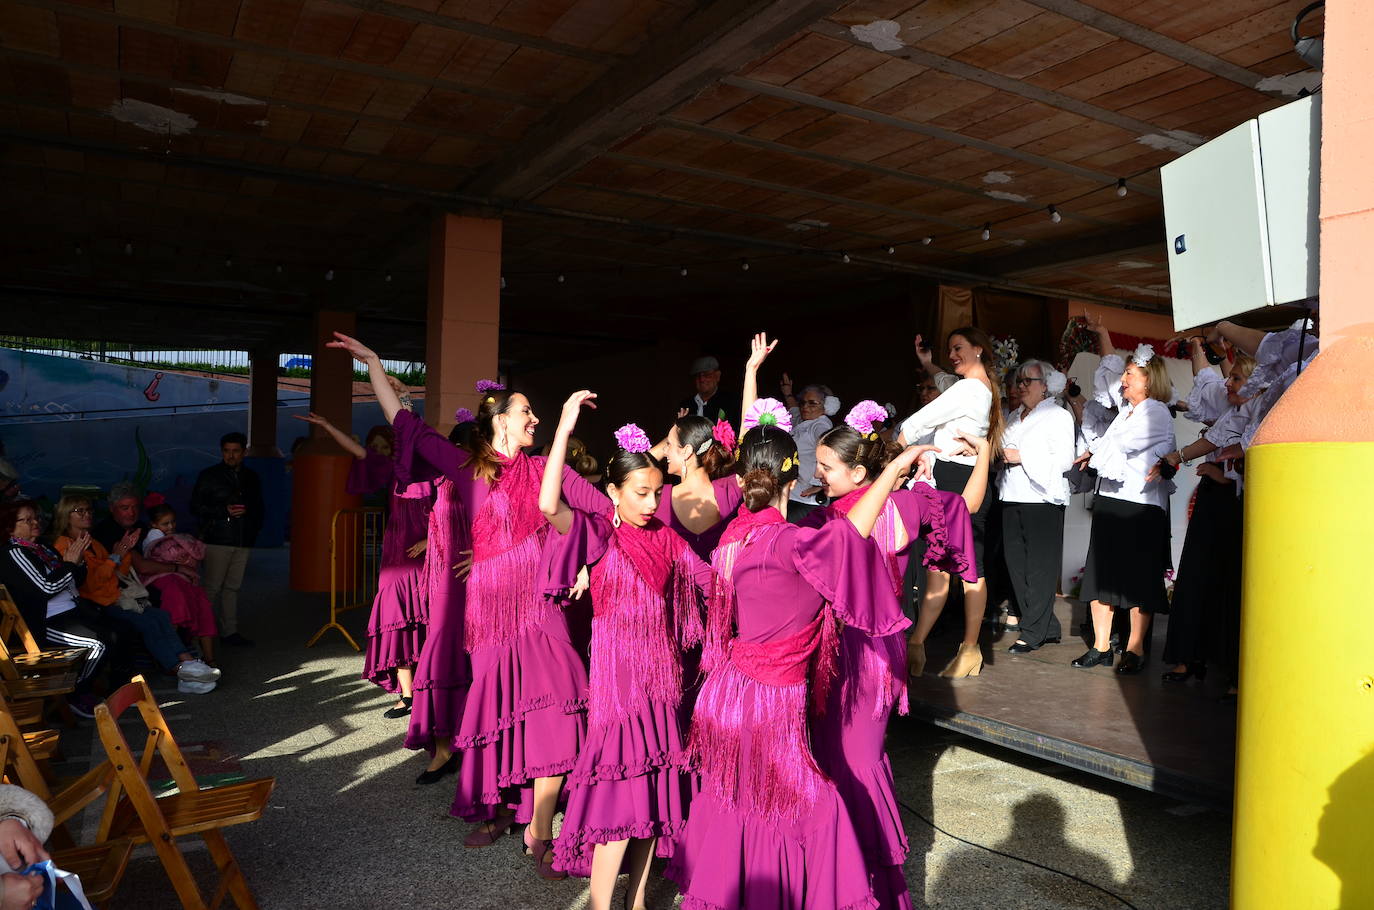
[693,432]
[767,462]
[858,451]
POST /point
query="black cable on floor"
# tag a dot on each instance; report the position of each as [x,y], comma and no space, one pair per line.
[1019,859]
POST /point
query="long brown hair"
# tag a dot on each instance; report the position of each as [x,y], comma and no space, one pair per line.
[486,466]
[980,339]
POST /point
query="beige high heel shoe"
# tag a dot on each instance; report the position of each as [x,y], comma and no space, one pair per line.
[915,658]
[968,662]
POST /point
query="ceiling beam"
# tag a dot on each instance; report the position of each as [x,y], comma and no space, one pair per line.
[714,41]
[934,132]
[875,169]
[1154,41]
[1078,251]
[1007,84]
[461,201]
[238,44]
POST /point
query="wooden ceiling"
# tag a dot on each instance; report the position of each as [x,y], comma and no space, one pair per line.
[243,162]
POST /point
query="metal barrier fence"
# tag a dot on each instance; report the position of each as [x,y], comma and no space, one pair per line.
[355,563]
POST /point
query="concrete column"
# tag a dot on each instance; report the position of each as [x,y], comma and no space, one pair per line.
[320,468]
[1304,817]
[464,315]
[262,404]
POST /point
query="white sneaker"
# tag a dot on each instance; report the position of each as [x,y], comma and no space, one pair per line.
[197,671]
[192,687]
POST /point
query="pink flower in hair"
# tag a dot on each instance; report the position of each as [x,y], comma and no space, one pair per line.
[153,499]
[864,415]
[488,385]
[724,434]
[632,439]
[768,412]
[463,415]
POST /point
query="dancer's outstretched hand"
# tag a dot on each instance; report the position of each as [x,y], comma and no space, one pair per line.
[353,346]
[759,349]
[312,417]
[580,587]
[572,408]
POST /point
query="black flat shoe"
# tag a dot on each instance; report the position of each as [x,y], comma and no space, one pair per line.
[1094,658]
[1131,664]
[1021,648]
[401,710]
[439,773]
[1193,670]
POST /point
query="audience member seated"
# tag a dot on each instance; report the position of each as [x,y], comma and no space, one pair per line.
[183,599]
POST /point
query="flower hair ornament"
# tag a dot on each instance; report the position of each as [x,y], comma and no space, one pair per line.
[632,439]
[463,415]
[1144,353]
[768,412]
[862,417]
[789,462]
[832,406]
[1056,382]
[485,387]
[724,434]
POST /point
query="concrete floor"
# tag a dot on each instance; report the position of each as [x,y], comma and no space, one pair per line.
[348,828]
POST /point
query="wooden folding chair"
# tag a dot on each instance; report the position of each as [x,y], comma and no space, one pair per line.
[27,654]
[133,811]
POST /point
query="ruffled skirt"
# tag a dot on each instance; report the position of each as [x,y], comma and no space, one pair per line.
[397,627]
[631,781]
[525,718]
[442,672]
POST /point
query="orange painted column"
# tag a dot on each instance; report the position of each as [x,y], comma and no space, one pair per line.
[1304,817]
[320,468]
[464,315]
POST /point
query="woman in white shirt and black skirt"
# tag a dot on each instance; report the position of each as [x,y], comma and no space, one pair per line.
[971,407]
[1037,451]
[1128,549]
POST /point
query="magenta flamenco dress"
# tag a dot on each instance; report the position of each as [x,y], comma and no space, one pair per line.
[768,831]
[443,673]
[848,736]
[524,717]
[400,613]
[632,778]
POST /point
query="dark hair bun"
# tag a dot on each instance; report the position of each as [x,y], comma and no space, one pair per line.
[761,487]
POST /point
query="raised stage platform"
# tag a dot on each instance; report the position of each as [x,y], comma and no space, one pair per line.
[1175,739]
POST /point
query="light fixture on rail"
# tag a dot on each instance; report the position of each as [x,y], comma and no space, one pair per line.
[682,271]
[1054,215]
[562,278]
[744,265]
[891,250]
[987,231]
[927,241]
[1121,187]
[1310,49]
[844,257]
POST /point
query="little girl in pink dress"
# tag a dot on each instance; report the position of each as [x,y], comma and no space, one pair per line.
[182,597]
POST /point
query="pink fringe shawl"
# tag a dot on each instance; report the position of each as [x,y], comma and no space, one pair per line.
[508,531]
[645,613]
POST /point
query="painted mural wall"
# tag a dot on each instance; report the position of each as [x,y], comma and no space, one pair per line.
[71,422]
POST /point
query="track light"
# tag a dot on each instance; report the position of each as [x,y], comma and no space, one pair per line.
[744,264]
[561,279]
[682,271]
[987,231]
[1121,187]
[1054,215]
[927,241]
[844,257]
[891,250]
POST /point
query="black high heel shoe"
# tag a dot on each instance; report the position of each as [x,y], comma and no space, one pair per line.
[1095,658]
[1198,671]
[439,773]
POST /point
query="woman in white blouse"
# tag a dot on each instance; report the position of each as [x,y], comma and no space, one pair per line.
[1128,548]
[811,419]
[1037,449]
[970,407]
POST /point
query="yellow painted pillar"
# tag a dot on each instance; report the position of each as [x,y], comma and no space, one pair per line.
[1304,817]
[464,315]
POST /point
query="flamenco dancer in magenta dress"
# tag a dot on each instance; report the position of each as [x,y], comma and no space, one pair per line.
[706,495]
[768,830]
[444,674]
[524,719]
[628,794]
[872,670]
[400,612]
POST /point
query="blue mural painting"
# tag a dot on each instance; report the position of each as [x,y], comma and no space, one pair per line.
[69,422]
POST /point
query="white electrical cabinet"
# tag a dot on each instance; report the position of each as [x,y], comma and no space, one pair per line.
[1241,213]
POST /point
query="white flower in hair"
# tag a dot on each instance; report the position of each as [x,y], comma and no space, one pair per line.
[1056,382]
[1144,353]
[832,406]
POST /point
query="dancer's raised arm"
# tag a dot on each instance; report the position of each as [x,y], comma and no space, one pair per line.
[759,349]
[348,443]
[865,513]
[551,489]
[381,383]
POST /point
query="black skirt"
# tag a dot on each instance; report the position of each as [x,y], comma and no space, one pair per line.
[1208,584]
[952,477]
[1128,554]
